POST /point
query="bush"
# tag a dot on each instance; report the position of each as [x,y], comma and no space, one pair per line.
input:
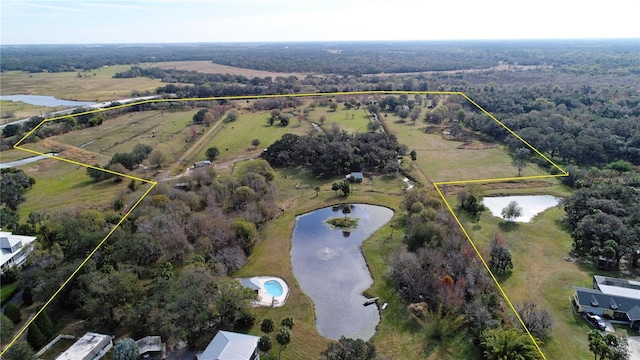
[13,312]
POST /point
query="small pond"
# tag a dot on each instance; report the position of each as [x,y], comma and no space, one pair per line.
[41,100]
[331,269]
[531,205]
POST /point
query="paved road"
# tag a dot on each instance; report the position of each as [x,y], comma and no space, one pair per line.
[90,107]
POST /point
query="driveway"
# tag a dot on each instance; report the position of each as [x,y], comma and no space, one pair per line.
[634,348]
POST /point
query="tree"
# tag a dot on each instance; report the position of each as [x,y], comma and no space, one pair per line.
[6,329]
[125,349]
[511,212]
[322,119]
[255,143]
[501,259]
[414,155]
[333,106]
[12,311]
[14,184]
[508,344]
[140,152]
[267,326]
[415,113]
[345,187]
[349,349]
[538,321]
[20,350]
[157,158]
[232,300]
[231,116]
[265,344]
[288,321]
[35,337]
[45,324]
[283,337]
[212,153]
[519,159]
[198,118]
[460,115]
[335,187]
[609,346]
[317,190]
[346,210]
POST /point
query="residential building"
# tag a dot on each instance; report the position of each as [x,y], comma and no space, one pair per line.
[228,345]
[91,346]
[14,249]
[615,299]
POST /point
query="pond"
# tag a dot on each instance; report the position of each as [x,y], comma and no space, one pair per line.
[531,205]
[331,269]
[41,100]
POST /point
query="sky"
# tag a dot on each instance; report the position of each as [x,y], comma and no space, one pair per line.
[184,21]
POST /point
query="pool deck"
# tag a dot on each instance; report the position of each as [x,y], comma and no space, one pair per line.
[264,298]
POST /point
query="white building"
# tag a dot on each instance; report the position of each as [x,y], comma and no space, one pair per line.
[228,345]
[14,249]
[90,346]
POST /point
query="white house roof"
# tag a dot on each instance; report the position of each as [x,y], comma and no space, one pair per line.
[228,345]
[8,241]
[618,287]
[87,347]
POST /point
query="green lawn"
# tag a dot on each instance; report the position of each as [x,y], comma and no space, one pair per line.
[351,121]
[6,290]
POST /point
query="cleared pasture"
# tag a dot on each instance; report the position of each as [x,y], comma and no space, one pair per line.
[94,85]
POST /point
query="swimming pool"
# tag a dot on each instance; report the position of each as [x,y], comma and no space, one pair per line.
[273,287]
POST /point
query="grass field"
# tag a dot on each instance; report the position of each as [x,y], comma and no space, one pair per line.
[208,67]
[20,110]
[351,120]
[99,85]
[60,185]
[6,290]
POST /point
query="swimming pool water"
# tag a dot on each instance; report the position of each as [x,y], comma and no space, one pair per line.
[273,288]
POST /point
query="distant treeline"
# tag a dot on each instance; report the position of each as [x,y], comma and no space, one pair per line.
[331,58]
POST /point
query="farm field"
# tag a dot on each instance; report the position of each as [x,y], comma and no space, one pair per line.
[209,67]
[99,85]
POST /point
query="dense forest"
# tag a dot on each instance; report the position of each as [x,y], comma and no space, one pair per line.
[344,58]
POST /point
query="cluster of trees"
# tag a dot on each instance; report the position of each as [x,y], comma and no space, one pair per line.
[604,222]
[14,184]
[583,126]
[449,291]
[609,346]
[337,152]
[283,336]
[208,230]
[120,162]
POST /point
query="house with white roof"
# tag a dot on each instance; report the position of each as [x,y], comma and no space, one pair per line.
[227,345]
[14,249]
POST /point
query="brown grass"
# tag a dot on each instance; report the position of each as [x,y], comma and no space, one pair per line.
[208,67]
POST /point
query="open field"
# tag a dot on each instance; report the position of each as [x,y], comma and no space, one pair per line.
[166,131]
[208,67]
[348,120]
[20,110]
[99,85]
[61,185]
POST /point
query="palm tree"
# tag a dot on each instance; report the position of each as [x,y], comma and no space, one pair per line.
[509,344]
[283,337]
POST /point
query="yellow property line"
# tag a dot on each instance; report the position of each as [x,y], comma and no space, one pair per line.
[247,97]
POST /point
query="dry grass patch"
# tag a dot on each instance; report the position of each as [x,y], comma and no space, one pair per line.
[209,67]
